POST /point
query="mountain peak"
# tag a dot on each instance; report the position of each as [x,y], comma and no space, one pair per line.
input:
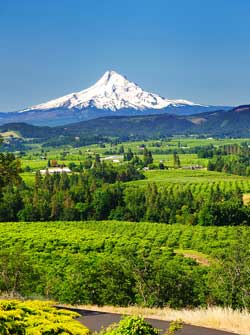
[112,91]
[111,78]
[110,73]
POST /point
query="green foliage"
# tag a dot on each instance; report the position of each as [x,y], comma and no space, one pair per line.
[99,190]
[136,325]
[9,170]
[128,155]
[237,164]
[174,327]
[37,318]
[18,272]
[100,194]
[132,325]
[119,263]
[231,275]
[128,263]
[147,157]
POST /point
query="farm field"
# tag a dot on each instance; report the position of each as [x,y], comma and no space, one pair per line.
[189,176]
[119,263]
[136,146]
[86,262]
[101,235]
[68,155]
[197,181]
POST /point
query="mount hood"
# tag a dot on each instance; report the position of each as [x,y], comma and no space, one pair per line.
[112,94]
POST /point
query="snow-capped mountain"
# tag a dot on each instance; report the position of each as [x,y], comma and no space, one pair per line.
[113,94]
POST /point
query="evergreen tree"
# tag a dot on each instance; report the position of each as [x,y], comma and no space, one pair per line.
[128,156]
[147,157]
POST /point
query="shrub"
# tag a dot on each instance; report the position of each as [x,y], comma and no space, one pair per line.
[136,325]
[132,325]
[37,318]
[174,327]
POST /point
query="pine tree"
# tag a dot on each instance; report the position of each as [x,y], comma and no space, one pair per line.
[128,156]
[147,157]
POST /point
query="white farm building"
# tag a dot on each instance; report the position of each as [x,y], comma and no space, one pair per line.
[55,170]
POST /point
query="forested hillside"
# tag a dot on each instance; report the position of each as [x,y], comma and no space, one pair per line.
[232,123]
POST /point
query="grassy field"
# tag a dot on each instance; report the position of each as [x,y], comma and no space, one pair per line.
[188,176]
[28,178]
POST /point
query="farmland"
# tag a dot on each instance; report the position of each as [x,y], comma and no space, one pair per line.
[156,222]
[199,179]
[32,162]
[120,263]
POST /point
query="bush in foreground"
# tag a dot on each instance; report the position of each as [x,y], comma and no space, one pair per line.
[37,318]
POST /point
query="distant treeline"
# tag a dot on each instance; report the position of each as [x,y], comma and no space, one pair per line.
[238,163]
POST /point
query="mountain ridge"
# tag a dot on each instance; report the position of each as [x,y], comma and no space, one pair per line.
[233,123]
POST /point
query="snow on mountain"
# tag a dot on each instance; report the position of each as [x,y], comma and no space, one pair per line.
[112,92]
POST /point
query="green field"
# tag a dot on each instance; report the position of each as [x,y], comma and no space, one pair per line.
[119,263]
[197,180]
[188,176]
[112,236]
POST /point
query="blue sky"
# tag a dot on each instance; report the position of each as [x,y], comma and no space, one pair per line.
[193,49]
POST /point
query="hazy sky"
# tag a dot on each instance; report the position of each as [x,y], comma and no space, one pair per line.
[192,49]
